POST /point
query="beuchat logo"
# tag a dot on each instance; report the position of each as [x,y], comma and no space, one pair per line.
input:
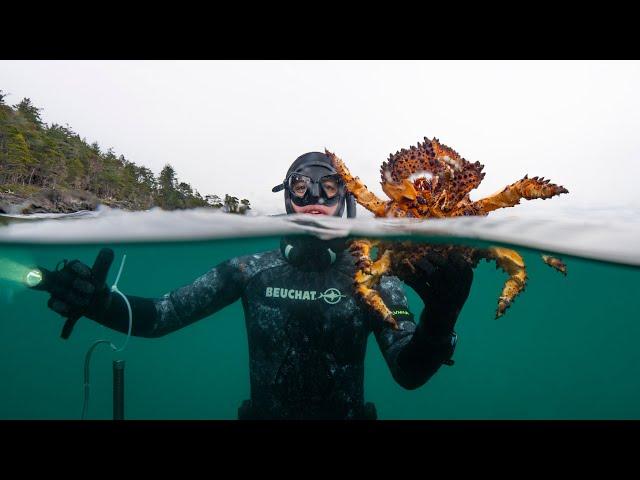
[330,295]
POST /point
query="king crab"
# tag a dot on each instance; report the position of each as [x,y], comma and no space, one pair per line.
[431,180]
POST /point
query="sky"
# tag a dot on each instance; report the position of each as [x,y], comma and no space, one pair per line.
[235,126]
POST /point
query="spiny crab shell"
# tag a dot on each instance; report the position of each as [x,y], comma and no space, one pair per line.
[431,180]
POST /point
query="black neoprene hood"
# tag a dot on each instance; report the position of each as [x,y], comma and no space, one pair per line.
[316,165]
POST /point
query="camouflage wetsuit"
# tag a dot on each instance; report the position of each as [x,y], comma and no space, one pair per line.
[307,333]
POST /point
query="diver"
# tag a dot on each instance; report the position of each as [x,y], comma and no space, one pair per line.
[307,334]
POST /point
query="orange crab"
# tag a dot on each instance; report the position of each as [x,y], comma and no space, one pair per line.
[431,180]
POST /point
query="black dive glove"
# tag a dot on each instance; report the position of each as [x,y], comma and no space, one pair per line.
[78,290]
[444,285]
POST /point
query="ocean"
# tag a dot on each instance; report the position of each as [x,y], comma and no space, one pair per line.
[566,349]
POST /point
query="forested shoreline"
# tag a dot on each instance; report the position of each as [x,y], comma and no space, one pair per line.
[51,168]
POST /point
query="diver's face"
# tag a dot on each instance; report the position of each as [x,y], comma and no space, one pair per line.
[316,209]
[314,190]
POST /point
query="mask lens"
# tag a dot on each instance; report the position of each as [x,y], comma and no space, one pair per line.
[298,185]
[330,186]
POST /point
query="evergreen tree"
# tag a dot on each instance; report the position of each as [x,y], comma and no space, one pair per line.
[26,108]
[214,201]
[19,161]
[167,179]
[230,204]
[32,153]
[245,205]
[169,197]
[185,190]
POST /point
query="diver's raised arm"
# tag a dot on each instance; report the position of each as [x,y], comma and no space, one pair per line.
[77,292]
[415,353]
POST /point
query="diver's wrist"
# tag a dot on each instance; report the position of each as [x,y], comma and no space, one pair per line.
[446,339]
[445,343]
[441,340]
[437,325]
[440,315]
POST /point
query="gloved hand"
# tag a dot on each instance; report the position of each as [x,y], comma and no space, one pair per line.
[78,290]
[444,285]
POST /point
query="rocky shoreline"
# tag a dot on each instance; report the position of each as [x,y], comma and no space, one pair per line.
[54,201]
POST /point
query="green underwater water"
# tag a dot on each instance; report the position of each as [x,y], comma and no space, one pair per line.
[566,349]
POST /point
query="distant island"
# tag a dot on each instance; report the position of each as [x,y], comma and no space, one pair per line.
[50,169]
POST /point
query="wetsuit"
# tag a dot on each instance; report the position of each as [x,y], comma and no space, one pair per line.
[307,333]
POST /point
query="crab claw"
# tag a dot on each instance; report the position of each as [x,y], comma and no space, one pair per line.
[511,263]
[527,188]
[503,304]
[556,263]
[538,188]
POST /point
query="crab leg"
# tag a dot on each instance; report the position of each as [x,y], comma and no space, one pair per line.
[361,250]
[367,276]
[512,263]
[358,189]
[555,263]
[527,188]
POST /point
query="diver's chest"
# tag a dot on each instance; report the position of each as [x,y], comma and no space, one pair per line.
[321,306]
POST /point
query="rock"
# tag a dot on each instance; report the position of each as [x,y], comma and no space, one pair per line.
[48,201]
[10,203]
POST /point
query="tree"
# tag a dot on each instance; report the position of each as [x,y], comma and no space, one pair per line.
[230,204]
[214,201]
[168,196]
[19,162]
[52,165]
[167,179]
[245,205]
[146,184]
[185,190]
[31,112]
[57,157]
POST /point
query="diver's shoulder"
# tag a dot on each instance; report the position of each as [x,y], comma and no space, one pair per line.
[257,262]
[392,290]
[391,282]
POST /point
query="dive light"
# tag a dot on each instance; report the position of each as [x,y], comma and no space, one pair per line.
[33,278]
[39,278]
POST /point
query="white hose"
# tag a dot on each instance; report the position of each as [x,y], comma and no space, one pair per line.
[114,288]
[87,357]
